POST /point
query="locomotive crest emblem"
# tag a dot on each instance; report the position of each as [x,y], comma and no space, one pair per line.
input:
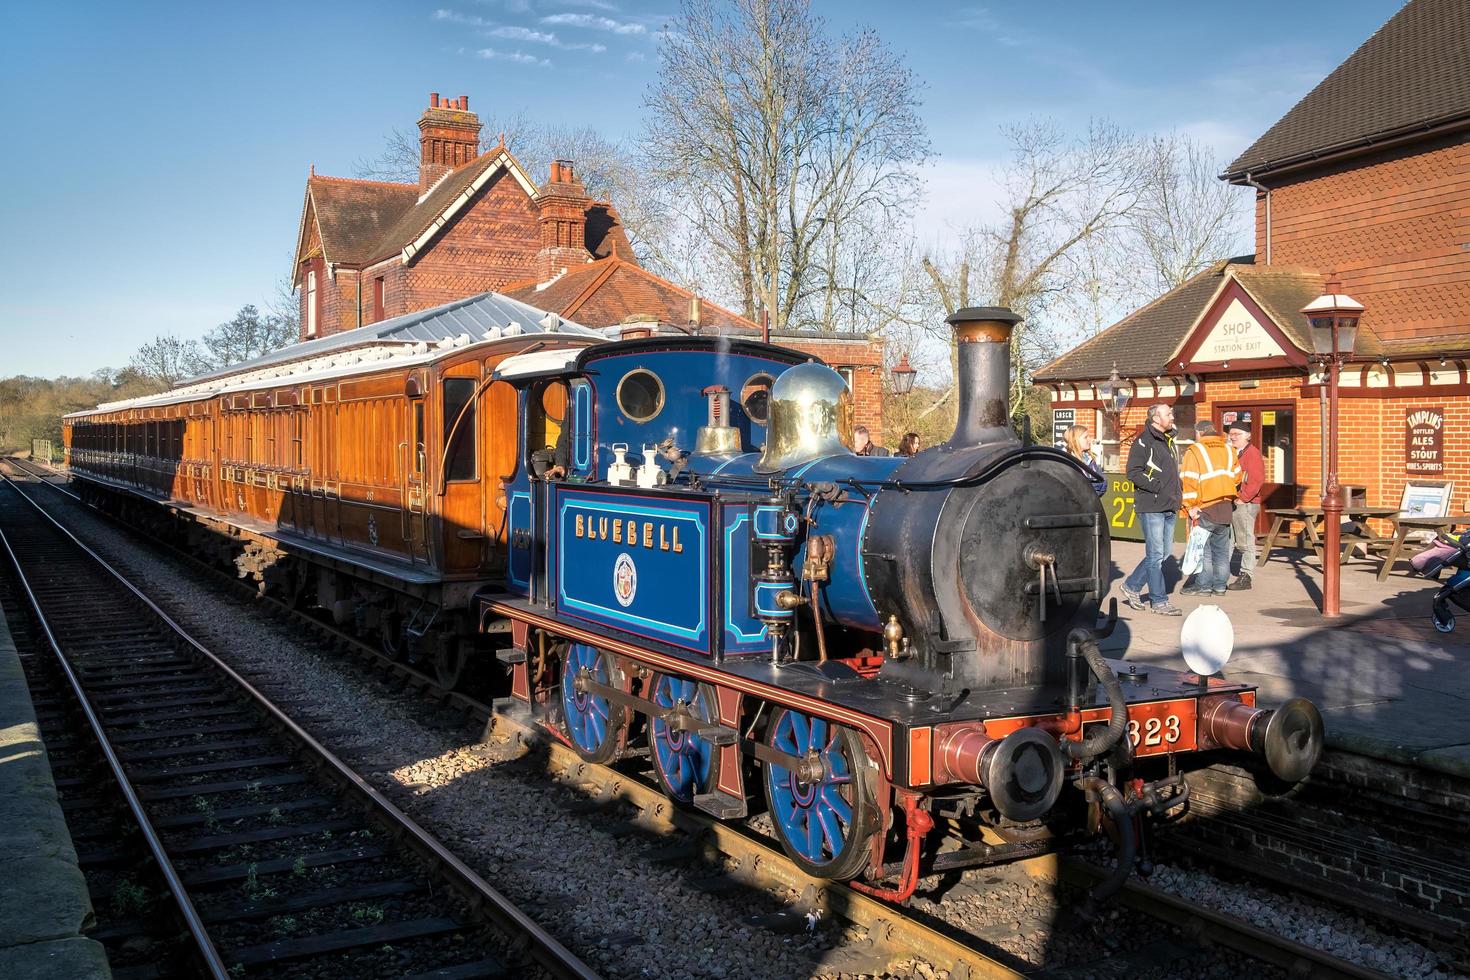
[625,580]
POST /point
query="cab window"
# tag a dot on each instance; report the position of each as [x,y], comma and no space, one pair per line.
[546,422]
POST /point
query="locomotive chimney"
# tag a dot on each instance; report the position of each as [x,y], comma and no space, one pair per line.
[983,336]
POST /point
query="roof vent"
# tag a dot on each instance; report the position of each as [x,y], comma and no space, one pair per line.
[492,334]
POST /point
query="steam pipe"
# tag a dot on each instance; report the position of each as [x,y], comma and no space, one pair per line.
[1081,643]
[1122,816]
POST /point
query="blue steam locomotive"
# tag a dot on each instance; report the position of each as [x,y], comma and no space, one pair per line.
[881,642]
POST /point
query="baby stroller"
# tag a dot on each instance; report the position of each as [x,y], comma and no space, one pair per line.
[1452,553]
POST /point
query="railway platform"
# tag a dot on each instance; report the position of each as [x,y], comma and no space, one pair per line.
[44,904]
[1389,685]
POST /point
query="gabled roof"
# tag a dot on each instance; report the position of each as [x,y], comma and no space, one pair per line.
[1413,74]
[361,222]
[413,230]
[351,215]
[1142,343]
[607,292]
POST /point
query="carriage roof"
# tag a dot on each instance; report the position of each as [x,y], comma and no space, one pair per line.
[403,341]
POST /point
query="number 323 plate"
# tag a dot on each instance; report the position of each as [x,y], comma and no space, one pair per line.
[1162,726]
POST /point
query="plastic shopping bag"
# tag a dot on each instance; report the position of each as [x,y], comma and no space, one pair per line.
[1194,550]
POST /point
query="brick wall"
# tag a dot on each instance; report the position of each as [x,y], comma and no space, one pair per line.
[1392,226]
[485,247]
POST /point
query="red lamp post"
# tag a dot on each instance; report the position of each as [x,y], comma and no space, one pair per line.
[1334,320]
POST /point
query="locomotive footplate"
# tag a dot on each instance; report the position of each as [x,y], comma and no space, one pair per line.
[1164,713]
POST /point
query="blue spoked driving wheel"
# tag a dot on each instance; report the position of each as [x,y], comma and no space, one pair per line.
[592,722]
[824,814]
[686,765]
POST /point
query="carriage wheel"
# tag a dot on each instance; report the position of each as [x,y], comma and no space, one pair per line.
[825,825]
[449,661]
[685,764]
[592,722]
[392,640]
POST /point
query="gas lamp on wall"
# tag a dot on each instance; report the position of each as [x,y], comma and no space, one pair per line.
[1333,318]
[902,376]
[1114,392]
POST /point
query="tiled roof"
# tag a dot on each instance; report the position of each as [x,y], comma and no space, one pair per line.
[604,233]
[1142,342]
[1413,73]
[365,221]
[607,292]
[353,214]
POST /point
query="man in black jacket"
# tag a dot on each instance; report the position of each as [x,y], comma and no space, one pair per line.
[1156,498]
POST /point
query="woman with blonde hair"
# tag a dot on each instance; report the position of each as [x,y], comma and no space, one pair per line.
[1079,447]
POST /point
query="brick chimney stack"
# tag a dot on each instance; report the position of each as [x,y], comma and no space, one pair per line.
[449,137]
[563,204]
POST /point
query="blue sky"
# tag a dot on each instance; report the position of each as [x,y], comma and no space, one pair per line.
[158,151]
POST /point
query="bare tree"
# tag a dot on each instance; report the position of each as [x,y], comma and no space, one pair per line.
[777,142]
[168,360]
[1186,216]
[398,163]
[247,335]
[1060,194]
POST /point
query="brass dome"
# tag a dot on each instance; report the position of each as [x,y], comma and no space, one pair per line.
[810,409]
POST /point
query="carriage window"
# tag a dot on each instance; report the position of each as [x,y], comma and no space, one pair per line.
[459,460]
[755,397]
[640,395]
[418,437]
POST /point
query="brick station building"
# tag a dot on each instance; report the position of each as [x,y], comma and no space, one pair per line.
[474,222]
[1366,181]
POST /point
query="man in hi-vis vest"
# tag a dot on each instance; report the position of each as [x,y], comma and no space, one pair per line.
[1209,475]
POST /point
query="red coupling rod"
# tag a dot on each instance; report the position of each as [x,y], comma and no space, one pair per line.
[919,823]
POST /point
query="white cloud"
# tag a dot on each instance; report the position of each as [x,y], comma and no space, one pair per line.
[595,22]
[636,56]
[455,17]
[514,33]
[518,57]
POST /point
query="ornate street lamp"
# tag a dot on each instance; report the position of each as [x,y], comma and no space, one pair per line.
[1334,320]
[1114,392]
[902,376]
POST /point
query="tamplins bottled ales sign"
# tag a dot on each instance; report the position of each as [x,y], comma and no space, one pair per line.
[1424,440]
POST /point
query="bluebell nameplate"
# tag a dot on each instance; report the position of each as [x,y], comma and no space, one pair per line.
[635,562]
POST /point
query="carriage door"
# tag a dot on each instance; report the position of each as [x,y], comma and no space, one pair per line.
[414,454]
[461,511]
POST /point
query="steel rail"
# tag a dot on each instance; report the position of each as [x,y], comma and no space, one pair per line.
[483,896]
[888,926]
[769,863]
[190,915]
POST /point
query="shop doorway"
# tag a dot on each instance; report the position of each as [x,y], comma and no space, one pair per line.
[1273,432]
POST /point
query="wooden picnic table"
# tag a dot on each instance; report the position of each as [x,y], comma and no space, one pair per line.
[1311,518]
[1407,525]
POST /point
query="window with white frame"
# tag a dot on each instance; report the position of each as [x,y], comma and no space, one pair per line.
[311,303]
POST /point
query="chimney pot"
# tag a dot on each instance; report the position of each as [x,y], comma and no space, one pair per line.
[983,334]
[464,101]
[433,100]
[555,177]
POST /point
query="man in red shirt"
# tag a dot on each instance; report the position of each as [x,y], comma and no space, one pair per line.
[1247,502]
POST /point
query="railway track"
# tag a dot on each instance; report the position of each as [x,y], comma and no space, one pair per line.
[276,857]
[894,934]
